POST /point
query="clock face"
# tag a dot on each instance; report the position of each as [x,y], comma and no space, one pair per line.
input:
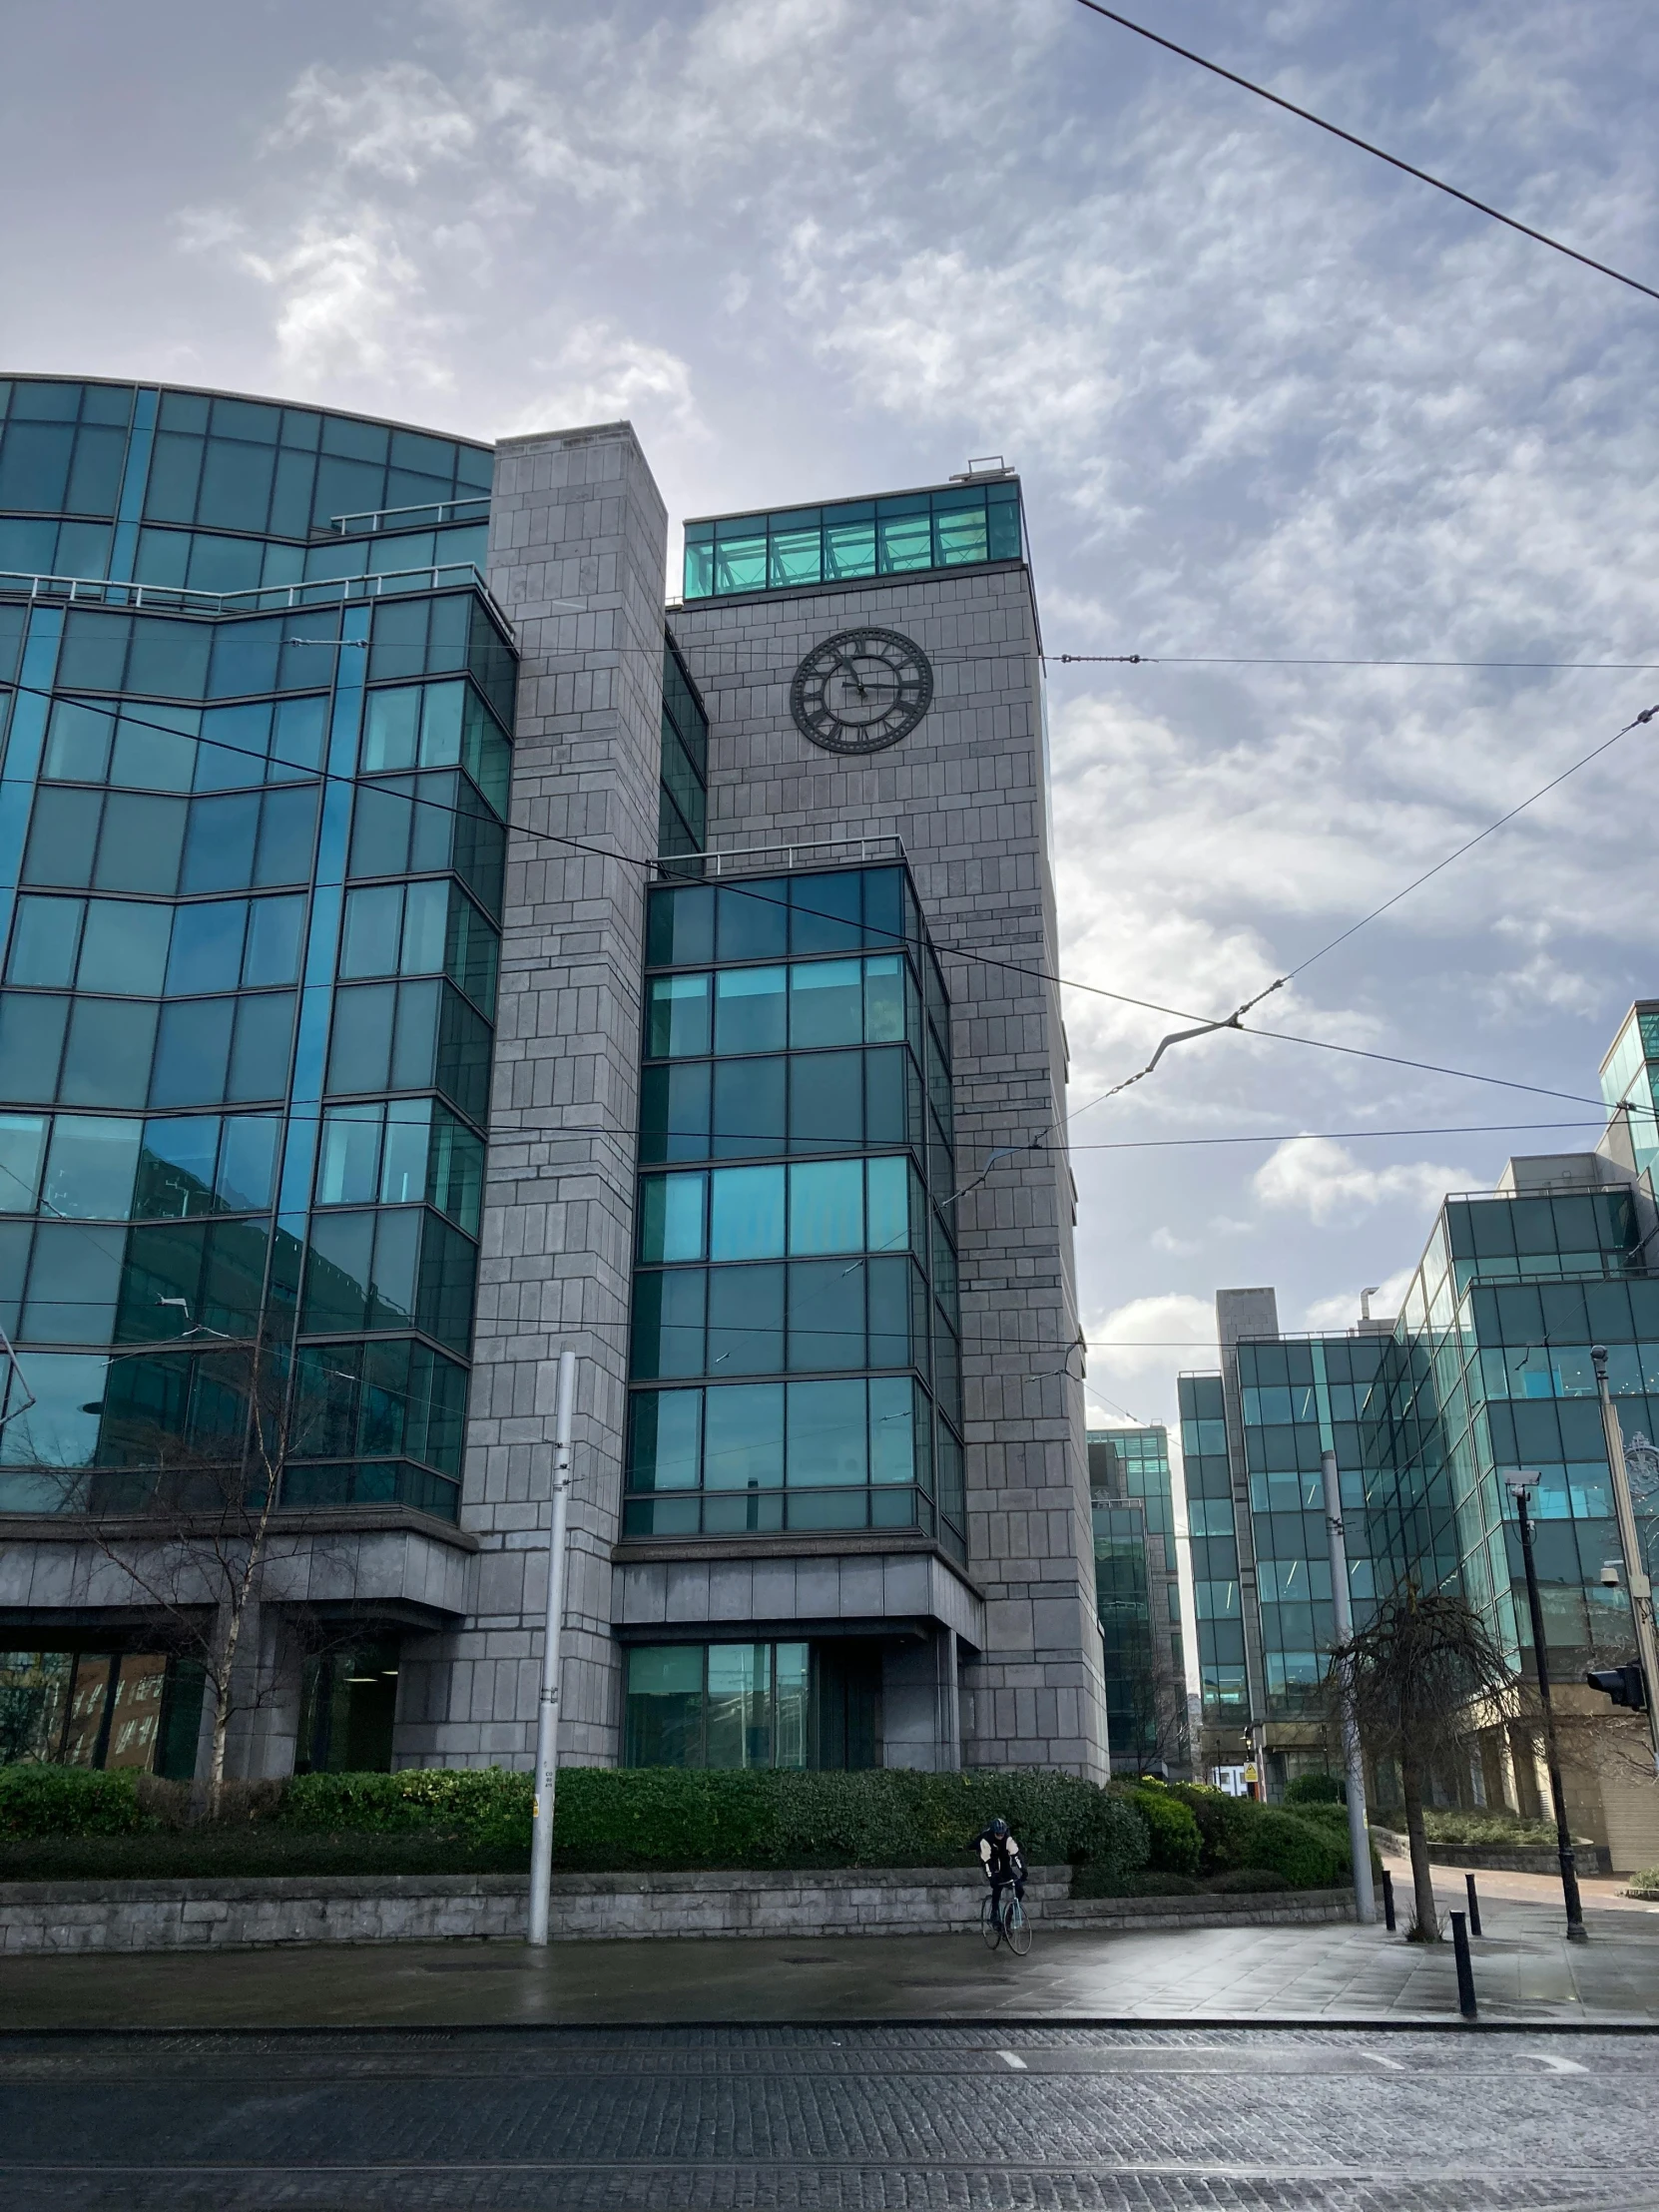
[861,691]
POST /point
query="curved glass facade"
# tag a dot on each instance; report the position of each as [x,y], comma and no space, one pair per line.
[258,712]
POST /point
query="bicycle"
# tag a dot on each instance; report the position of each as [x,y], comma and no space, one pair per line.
[1008,1925]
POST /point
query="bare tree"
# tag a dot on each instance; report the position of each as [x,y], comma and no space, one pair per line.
[186,1524]
[1420,1673]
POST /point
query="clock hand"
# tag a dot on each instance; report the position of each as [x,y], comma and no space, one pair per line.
[842,661]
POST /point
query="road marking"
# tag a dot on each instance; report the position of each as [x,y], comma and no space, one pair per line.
[1012,2059]
[1377,2059]
[1555,2065]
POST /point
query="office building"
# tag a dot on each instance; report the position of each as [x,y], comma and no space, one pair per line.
[1253,1438]
[1489,1369]
[429,948]
[1138,1597]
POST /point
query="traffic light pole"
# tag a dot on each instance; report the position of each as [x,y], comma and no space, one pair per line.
[1636,1579]
[1519,1483]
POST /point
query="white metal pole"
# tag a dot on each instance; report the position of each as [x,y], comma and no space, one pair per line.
[547,1715]
[1636,1582]
[1359,1839]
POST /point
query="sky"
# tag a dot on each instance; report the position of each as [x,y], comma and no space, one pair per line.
[1269,399]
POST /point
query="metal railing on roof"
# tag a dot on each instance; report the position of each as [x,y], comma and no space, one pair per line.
[766,859]
[322,591]
[474,507]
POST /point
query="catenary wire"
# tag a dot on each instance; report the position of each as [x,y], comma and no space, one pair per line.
[1285,660]
[653,863]
[1364,146]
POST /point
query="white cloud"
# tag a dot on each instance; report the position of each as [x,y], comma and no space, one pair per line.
[1152,1335]
[397,120]
[1342,1310]
[349,302]
[1326,1181]
[601,374]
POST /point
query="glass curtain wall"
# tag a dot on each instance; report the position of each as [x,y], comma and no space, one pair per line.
[1300,1399]
[1489,1369]
[251,879]
[957,526]
[796,1356]
[683,798]
[1208,1480]
[753,1705]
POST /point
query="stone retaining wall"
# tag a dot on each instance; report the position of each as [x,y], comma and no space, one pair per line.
[350,1909]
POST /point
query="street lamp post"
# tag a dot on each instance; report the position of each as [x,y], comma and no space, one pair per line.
[1358,1838]
[1522,1482]
[1636,1580]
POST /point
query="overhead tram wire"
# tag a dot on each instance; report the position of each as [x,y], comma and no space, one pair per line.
[1288,660]
[1350,137]
[650,865]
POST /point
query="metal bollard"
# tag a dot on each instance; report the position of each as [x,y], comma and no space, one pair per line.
[1474,1905]
[1388,1899]
[1465,1972]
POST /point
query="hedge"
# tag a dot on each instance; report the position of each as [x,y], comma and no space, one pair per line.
[1238,1832]
[38,1801]
[1316,1788]
[674,1817]
[647,1817]
[1176,1845]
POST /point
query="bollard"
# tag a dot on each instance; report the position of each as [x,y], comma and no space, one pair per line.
[1465,1972]
[1387,1901]
[1474,1905]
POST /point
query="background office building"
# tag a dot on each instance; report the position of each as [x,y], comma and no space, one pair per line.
[429,948]
[1138,1598]
[1486,1368]
[1253,1436]
[1489,1369]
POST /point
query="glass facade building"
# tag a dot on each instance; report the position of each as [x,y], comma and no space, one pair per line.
[1138,1596]
[410,972]
[797,1359]
[1490,1370]
[252,839]
[1253,1483]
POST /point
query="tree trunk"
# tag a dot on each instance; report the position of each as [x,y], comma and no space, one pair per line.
[1426,1926]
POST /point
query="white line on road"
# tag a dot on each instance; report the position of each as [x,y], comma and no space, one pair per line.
[1555,2065]
[1377,2059]
[1012,2059]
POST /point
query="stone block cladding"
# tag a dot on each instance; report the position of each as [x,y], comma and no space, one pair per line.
[965,791]
[577,546]
[56,1917]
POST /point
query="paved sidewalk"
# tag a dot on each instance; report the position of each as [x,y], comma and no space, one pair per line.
[1524,1972]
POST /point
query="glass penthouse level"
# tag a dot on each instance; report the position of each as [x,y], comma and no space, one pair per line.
[904,534]
[257,707]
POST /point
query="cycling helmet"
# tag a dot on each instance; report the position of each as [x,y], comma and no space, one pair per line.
[999,1827]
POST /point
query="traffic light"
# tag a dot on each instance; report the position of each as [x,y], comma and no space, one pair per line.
[1622,1684]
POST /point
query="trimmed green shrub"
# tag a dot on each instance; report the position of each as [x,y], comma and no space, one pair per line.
[671,1817]
[1502,1830]
[38,1800]
[1316,1788]
[482,1805]
[1100,1882]
[1248,1881]
[1238,1832]
[1176,1845]
[1645,1884]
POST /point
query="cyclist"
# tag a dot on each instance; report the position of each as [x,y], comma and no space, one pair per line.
[1000,1857]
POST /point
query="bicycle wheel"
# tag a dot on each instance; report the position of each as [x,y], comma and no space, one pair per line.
[990,1927]
[1017,1928]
